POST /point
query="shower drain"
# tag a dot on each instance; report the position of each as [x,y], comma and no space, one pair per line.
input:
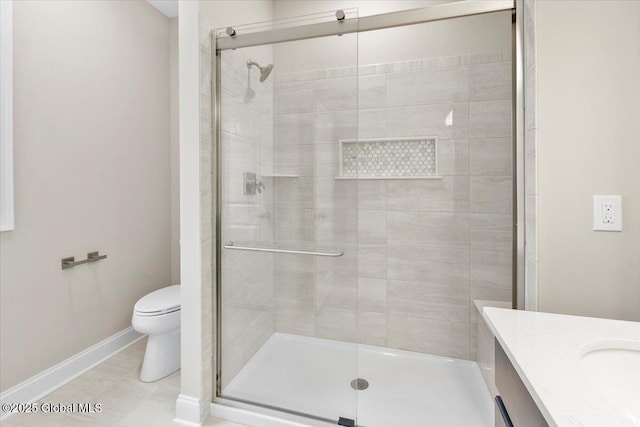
[359,384]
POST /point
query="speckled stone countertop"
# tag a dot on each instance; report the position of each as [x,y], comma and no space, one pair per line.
[547,352]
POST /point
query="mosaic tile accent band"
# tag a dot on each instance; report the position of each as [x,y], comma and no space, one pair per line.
[389,158]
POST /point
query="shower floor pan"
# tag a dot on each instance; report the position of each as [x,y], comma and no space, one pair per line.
[314,376]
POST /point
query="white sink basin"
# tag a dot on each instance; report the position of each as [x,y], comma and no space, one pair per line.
[612,370]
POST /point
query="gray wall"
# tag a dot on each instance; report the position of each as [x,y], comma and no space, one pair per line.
[588,143]
[91,153]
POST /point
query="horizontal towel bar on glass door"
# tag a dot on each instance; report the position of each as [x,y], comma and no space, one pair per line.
[231,245]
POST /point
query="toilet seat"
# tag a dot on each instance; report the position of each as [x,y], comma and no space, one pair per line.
[157,303]
[155,313]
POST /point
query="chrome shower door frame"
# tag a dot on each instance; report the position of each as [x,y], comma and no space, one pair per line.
[369,23]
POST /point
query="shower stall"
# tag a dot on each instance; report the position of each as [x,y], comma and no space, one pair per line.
[366,197]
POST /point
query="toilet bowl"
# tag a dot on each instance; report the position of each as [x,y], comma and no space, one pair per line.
[158,315]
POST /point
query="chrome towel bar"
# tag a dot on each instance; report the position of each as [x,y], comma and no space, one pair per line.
[91,257]
[231,245]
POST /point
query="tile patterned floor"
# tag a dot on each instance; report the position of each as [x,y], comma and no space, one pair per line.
[126,401]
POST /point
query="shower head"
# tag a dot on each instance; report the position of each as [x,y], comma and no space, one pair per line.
[264,71]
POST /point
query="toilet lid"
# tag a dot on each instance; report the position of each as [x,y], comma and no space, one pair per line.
[160,301]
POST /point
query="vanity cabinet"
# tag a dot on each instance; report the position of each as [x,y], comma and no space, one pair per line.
[514,405]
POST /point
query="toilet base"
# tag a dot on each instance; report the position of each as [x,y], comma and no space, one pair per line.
[162,356]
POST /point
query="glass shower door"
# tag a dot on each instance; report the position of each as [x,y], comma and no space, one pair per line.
[288,284]
[365,204]
[435,164]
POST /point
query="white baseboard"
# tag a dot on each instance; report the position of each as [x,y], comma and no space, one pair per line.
[190,411]
[45,382]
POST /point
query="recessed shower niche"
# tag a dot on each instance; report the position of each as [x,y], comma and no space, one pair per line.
[389,158]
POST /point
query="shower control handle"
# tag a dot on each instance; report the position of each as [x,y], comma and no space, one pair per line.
[251,184]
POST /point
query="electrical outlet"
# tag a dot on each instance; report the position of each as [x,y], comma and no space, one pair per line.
[607,213]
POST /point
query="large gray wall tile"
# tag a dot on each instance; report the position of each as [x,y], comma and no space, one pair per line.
[336,194]
[491,232]
[450,194]
[490,81]
[294,193]
[491,156]
[302,263]
[295,318]
[335,94]
[490,119]
[372,328]
[372,91]
[239,154]
[421,120]
[336,125]
[372,123]
[459,120]
[494,294]
[430,86]
[337,324]
[453,157]
[326,160]
[295,128]
[421,299]
[238,117]
[447,267]
[372,226]
[294,98]
[372,194]
[491,194]
[256,327]
[372,261]
[433,229]
[429,336]
[491,269]
[294,286]
[336,291]
[372,294]
[297,159]
[345,265]
[337,225]
[295,224]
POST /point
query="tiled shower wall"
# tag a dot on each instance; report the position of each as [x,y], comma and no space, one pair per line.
[530,157]
[207,209]
[417,251]
[247,277]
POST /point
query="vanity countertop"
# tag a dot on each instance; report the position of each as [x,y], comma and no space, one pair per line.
[547,352]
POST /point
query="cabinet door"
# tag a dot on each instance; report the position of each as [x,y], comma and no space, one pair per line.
[522,410]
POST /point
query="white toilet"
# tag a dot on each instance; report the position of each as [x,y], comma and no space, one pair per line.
[158,315]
